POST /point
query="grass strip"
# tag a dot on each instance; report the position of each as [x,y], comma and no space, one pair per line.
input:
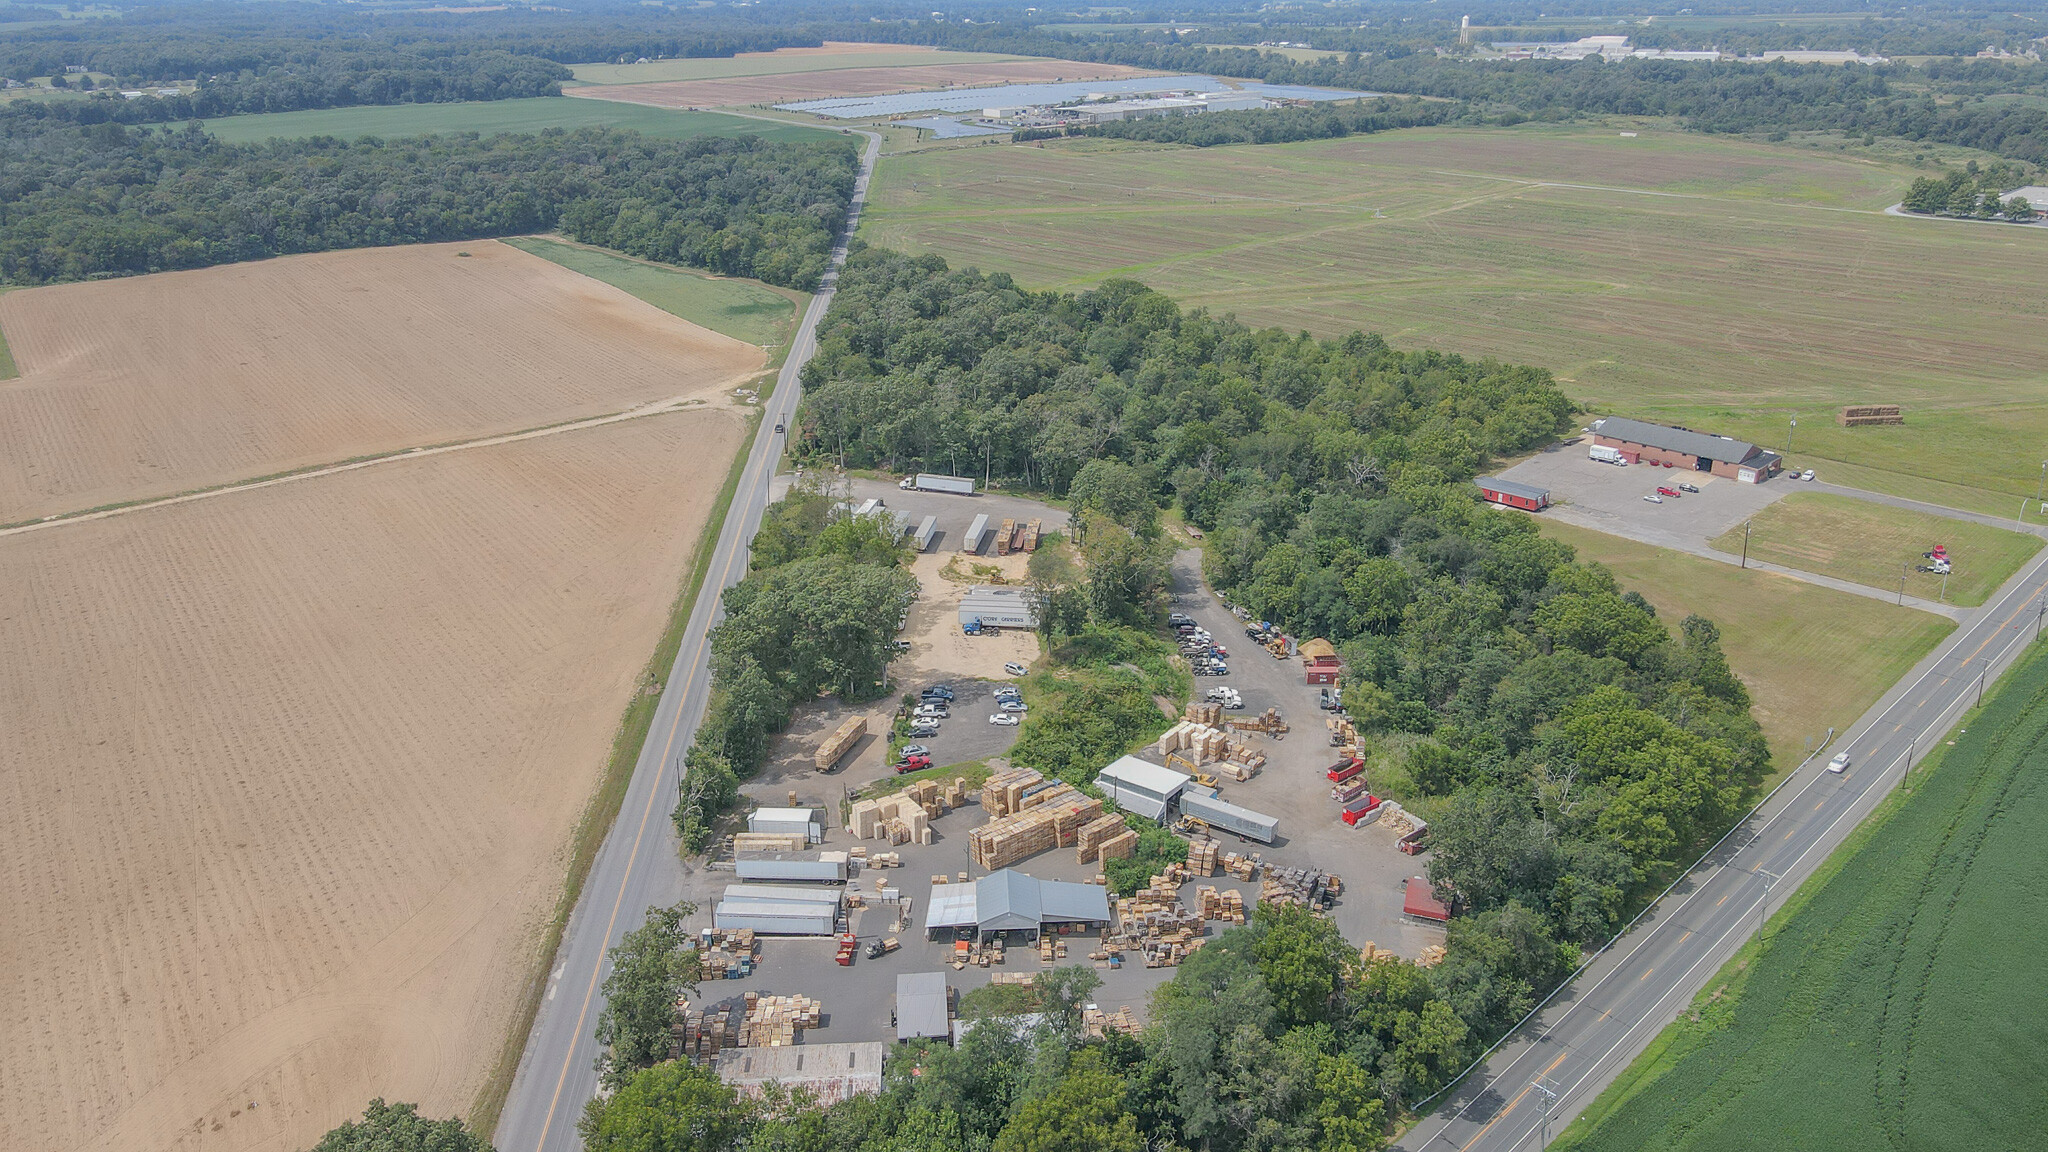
[603,809]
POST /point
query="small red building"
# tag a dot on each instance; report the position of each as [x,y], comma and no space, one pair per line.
[1512,494]
[1319,661]
[1422,903]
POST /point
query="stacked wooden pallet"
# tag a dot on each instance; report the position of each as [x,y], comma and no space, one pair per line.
[1052,819]
[1226,904]
[1202,854]
[1431,956]
[774,1021]
[899,819]
[1088,841]
[1240,865]
[1298,886]
[702,1034]
[1121,846]
[1003,793]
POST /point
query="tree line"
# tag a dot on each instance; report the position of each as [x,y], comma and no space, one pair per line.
[1272,126]
[79,201]
[1970,191]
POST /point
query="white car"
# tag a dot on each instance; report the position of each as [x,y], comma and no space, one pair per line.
[1840,762]
[1015,706]
[1016,669]
[1003,718]
[1654,498]
[1806,475]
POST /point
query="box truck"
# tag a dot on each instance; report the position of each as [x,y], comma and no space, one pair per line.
[931,482]
[1602,454]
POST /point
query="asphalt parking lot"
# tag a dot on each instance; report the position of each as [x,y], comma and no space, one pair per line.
[1609,498]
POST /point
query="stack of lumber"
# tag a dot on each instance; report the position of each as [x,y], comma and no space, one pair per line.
[1210,715]
[1121,846]
[1051,949]
[774,1021]
[1202,856]
[1031,530]
[1373,954]
[842,738]
[1226,905]
[1297,886]
[1088,841]
[699,1035]
[899,819]
[1051,819]
[727,950]
[1095,1022]
[937,799]
[1268,722]
[1240,865]
[770,842]
[1431,956]
[1343,735]
[1003,793]
[1205,743]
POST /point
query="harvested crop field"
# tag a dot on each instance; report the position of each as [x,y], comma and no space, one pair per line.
[833,55]
[746,90]
[294,773]
[154,385]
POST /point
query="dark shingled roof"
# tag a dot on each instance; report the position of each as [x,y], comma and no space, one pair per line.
[1675,439]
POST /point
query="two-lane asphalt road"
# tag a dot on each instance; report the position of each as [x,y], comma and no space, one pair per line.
[1560,1060]
[638,865]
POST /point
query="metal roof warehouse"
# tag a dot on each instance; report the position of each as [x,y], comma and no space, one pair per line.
[1010,901]
[1643,442]
[1141,786]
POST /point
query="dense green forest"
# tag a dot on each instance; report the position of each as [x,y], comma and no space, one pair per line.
[1574,747]
[80,201]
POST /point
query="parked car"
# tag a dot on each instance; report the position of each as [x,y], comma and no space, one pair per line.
[1219,668]
[1840,762]
[778,425]
[1684,487]
[1002,718]
[913,763]
[1806,475]
[1016,669]
[1671,492]
[932,711]
[1654,498]
[1014,706]
[937,692]
[916,750]
[1219,649]
[924,729]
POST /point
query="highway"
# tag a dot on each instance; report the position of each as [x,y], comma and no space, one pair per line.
[1557,1062]
[638,865]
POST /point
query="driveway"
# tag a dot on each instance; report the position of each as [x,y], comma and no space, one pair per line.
[1608,498]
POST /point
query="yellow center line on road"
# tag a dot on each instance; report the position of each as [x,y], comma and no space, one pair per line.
[1687,936]
[668,746]
[1512,1104]
[1647,971]
[1722,900]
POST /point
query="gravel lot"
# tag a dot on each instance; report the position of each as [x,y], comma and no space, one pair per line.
[1610,498]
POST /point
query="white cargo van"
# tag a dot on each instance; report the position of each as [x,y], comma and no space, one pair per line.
[1606,455]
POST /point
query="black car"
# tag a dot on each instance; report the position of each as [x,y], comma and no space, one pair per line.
[937,692]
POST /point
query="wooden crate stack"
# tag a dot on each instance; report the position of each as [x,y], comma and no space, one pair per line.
[727,949]
[1053,819]
[899,819]
[1374,954]
[1003,793]
[1431,956]
[1343,735]
[1095,1022]
[842,738]
[770,842]
[1202,853]
[701,1034]
[1297,886]
[1226,904]
[1240,865]
[1200,738]
[1210,715]
[1121,846]
[774,1021]
[1088,841]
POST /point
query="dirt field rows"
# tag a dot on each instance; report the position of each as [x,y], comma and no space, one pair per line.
[294,772]
[154,385]
[744,90]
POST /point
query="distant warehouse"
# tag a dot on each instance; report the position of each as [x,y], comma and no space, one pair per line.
[1640,442]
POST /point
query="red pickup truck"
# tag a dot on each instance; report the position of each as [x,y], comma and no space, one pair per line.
[1345,769]
[913,763]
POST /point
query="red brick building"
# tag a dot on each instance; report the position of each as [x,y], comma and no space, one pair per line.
[1640,442]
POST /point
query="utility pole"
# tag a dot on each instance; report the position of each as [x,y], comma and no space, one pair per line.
[1903,569]
[1763,905]
[2038,613]
[2041,492]
[1549,1102]
[2021,518]
[1789,430]
[1746,526]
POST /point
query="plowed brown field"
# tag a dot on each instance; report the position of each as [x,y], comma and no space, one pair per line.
[744,90]
[291,773]
[153,385]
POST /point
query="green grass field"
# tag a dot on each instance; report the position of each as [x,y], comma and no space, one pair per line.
[489,117]
[1705,280]
[1813,657]
[745,309]
[1876,545]
[1897,1000]
[773,64]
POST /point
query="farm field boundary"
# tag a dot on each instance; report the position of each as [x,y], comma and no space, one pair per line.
[493,117]
[743,309]
[1764,282]
[1878,546]
[1895,1000]
[1812,657]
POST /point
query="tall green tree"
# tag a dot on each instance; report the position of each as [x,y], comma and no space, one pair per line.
[651,970]
[400,1128]
[1085,1113]
[674,1106]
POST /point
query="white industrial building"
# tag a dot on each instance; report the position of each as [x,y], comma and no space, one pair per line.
[1010,901]
[1141,786]
[924,1006]
[779,917]
[807,822]
[997,608]
[1189,104]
